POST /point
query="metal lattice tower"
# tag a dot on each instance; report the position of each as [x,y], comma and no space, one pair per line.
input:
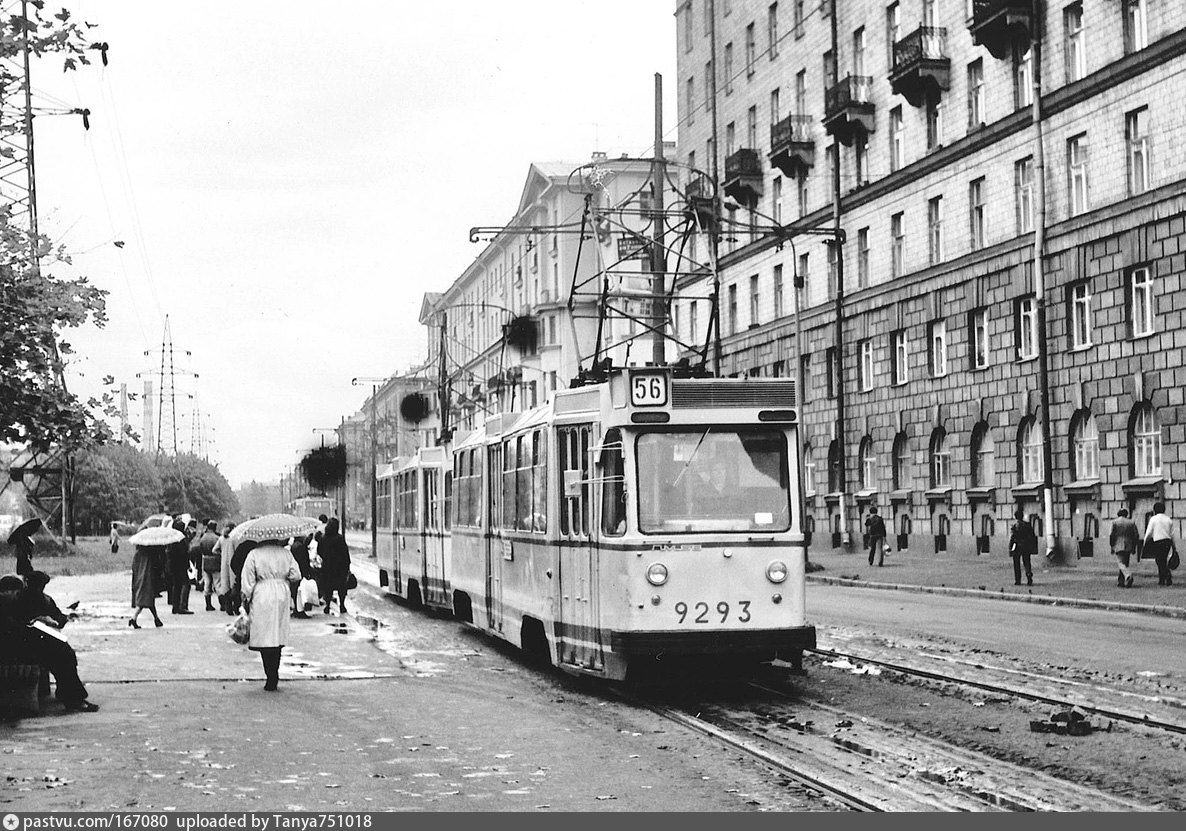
[166,397]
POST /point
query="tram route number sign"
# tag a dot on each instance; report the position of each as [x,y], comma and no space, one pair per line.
[648,389]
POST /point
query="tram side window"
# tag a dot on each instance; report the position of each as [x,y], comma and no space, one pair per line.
[431,505]
[447,512]
[613,488]
[538,518]
[384,504]
[510,459]
[572,453]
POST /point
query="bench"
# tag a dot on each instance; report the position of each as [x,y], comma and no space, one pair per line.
[19,687]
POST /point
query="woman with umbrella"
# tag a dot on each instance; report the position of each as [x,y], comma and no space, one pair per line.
[147,569]
[21,539]
[267,573]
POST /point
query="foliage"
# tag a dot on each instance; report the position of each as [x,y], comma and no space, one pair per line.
[193,485]
[37,306]
[257,499]
[325,467]
[114,482]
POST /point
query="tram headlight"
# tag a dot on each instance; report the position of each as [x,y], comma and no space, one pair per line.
[656,574]
[776,572]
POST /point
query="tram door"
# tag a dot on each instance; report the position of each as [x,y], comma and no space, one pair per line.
[578,626]
[493,538]
[433,590]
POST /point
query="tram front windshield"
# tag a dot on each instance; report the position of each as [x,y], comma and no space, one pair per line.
[717,479]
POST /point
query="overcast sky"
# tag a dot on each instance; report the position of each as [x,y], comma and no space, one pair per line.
[287,179]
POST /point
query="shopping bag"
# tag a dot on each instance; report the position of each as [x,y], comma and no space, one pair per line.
[1174,560]
[240,628]
[351,581]
[307,595]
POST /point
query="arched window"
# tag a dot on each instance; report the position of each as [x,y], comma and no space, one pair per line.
[984,457]
[1085,446]
[868,465]
[834,467]
[1029,450]
[1145,441]
[901,461]
[940,459]
[808,470]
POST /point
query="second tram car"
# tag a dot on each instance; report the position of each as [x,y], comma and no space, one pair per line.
[311,505]
[413,527]
[649,519]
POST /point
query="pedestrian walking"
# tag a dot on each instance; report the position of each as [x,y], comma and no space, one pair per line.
[114,538]
[267,573]
[178,559]
[875,533]
[1122,539]
[300,553]
[209,545]
[1159,541]
[1023,544]
[147,570]
[335,565]
[226,550]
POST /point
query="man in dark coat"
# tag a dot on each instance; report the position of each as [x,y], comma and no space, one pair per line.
[875,529]
[209,560]
[1122,539]
[177,558]
[1023,544]
[335,565]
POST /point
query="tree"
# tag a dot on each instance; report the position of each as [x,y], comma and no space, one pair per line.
[37,306]
[192,485]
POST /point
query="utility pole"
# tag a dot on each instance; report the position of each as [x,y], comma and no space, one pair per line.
[658,255]
[714,322]
[837,244]
[375,382]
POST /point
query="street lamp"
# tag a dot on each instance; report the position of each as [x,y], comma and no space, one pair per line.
[374,382]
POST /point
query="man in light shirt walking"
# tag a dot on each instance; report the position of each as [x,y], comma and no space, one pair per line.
[1159,540]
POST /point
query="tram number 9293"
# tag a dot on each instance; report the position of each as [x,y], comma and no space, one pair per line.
[704,613]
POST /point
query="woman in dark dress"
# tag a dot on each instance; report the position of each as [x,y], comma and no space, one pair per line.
[335,565]
[147,569]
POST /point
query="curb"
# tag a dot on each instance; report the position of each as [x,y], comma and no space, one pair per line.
[1044,599]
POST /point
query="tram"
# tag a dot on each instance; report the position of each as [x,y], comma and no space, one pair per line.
[646,521]
[412,527]
[310,505]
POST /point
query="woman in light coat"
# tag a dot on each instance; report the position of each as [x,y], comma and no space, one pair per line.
[267,572]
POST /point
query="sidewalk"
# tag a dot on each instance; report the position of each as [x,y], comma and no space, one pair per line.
[1089,582]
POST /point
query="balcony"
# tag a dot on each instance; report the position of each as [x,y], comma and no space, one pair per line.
[698,206]
[922,66]
[848,110]
[792,147]
[743,176]
[998,25]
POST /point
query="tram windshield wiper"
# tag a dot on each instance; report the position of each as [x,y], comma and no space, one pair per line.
[695,449]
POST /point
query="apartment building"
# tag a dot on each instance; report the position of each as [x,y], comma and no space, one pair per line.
[947,182]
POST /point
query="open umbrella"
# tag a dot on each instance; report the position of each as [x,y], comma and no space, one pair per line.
[272,527]
[156,535]
[26,529]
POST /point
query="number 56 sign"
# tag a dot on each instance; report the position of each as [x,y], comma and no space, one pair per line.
[648,389]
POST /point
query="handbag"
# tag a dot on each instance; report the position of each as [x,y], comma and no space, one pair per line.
[351,581]
[1173,561]
[240,628]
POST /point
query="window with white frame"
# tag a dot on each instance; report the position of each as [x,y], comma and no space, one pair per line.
[1023,76]
[865,364]
[976,213]
[897,244]
[1027,328]
[934,122]
[728,79]
[772,30]
[935,229]
[978,338]
[751,49]
[693,323]
[858,51]
[899,358]
[732,308]
[1080,302]
[976,94]
[730,139]
[1030,450]
[1085,441]
[937,337]
[776,200]
[805,277]
[1136,25]
[830,370]
[778,309]
[808,469]
[893,28]
[1136,138]
[805,368]
[1140,305]
[860,156]
[801,92]
[901,462]
[868,465]
[984,457]
[754,301]
[940,460]
[1077,174]
[751,127]
[833,251]
[897,138]
[801,187]
[862,258]
[775,105]
[1075,38]
[690,98]
[1145,441]
[1023,177]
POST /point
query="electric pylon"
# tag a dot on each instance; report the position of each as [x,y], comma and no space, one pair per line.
[166,399]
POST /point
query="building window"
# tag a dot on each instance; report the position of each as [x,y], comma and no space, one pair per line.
[934,122]
[834,451]
[730,139]
[688,28]
[1085,439]
[1077,174]
[751,127]
[801,92]
[1075,39]
[975,94]
[1027,328]
[901,462]
[798,17]
[937,338]
[1140,305]
[751,49]
[858,51]
[733,309]
[1079,301]
[775,105]
[868,465]
[728,69]
[893,23]
[976,213]
[833,278]
[896,137]
[935,229]
[1030,450]
[862,258]
[805,368]
[1023,176]
[830,369]
[690,98]
[1145,441]
[1023,76]
[772,30]
[984,457]
[978,338]
[709,84]
[897,245]
[808,470]
[899,358]
[801,186]
[940,460]
[805,277]
[1136,25]
[860,154]
[1136,137]
[693,323]
[777,292]
[776,200]
[753,300]
[865,366]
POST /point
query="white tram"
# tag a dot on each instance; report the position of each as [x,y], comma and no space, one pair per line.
[643,521]
[413,527]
